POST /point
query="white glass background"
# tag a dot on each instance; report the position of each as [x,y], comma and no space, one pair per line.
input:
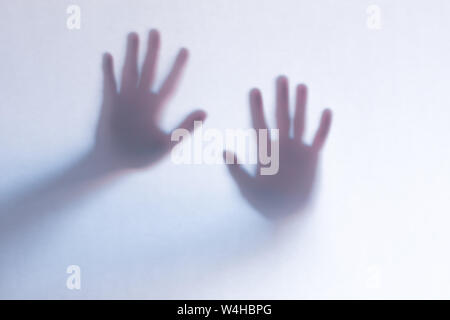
[378,225]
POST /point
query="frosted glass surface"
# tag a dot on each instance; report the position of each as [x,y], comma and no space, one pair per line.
[378,225]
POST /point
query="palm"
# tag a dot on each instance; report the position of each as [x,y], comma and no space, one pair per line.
[288,190]
[128,132]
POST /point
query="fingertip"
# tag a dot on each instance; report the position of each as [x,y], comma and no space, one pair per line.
[323,131]
[154,33]
[282,79]
[255,98]
[132,43]
[182,57]
[153,37]
[254,92]
[282,88]
[200,115]
[184,53]
[302,87]
[327,115]
[107,59]
[132,36]
[107,64]
[325,122]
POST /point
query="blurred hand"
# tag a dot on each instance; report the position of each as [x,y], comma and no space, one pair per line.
[128,132]
[289,190]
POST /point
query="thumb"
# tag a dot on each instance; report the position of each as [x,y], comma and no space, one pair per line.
[188,123]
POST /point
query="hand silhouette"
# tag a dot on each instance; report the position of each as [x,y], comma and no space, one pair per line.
[287,191]
[128,135]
